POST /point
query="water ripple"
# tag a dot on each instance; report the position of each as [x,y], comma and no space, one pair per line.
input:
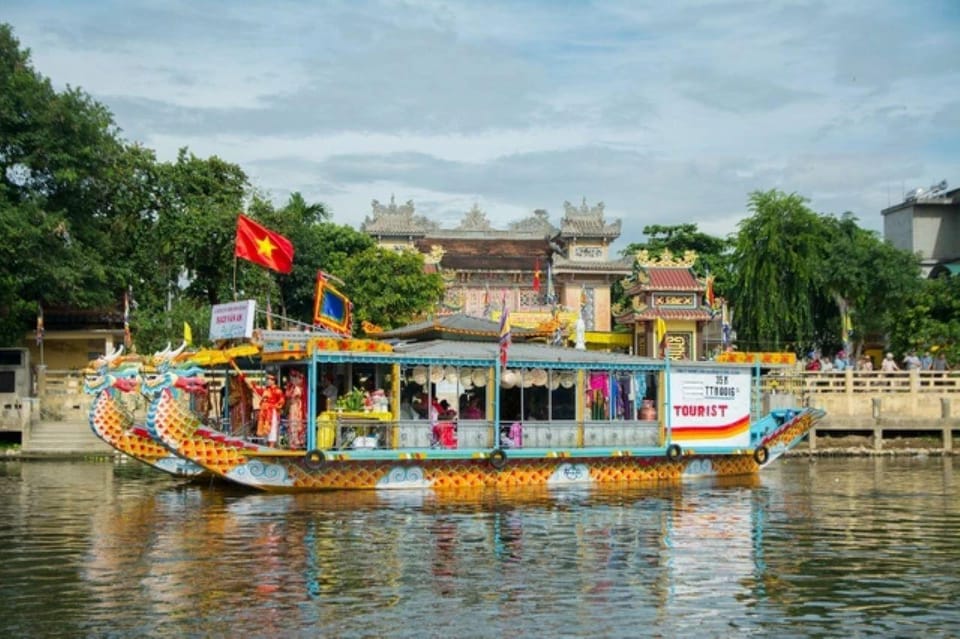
[824,548]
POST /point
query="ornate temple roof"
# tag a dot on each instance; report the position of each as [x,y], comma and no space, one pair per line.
[587,222]
[622,266]
[665,273]
[396,220]
[402,221]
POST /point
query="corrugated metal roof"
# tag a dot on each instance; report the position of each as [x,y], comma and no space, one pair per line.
[525,355]
[455,326]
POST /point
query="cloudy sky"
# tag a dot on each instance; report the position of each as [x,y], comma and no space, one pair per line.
[668,112]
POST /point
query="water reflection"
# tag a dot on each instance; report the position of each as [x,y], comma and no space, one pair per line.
[825,547]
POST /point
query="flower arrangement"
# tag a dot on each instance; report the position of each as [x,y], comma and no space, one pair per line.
[354,400]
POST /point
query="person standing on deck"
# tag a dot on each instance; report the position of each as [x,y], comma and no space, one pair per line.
[330,392]
[296,408]
[271,403]
[239,405]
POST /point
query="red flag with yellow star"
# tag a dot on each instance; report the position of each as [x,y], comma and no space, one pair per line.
[262,246]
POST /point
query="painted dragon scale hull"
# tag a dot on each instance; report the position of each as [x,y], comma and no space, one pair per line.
[271,469]
[594,429]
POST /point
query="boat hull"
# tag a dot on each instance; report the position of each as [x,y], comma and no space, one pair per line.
[111,423]
[270,469]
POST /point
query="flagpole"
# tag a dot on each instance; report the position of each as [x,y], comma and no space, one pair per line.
[234,277]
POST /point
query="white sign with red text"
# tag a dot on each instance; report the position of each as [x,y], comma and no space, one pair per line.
[233,320]
[710,408]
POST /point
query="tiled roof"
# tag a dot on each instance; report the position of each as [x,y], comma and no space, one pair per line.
[588,227]
[562,264]
[668,314]
[667,279]
[488,254]
[398,224]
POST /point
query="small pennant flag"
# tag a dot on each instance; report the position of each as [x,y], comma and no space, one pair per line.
[40,330]
[127,337]
[187,333]
[504,332]
[661,336]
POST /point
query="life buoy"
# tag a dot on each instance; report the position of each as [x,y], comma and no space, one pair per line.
[314,459]
[498,458]
[760,455]
[673,451]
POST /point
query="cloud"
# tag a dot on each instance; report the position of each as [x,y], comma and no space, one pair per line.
[668,112]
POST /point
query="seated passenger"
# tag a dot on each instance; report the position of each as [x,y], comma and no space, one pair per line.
[473,410]
[512,436]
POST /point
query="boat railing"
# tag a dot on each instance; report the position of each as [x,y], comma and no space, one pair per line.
[418,434]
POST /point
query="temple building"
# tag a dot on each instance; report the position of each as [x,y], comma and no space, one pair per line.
[538,272]
[666,290]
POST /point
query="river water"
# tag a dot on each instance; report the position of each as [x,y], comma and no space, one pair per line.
[830,547]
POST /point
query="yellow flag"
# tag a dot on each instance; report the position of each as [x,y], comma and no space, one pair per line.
[660,330]
[187,333]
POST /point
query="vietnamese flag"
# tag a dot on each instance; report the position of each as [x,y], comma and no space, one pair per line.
[262,246]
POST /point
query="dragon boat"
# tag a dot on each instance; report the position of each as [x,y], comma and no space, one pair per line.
[112,420]
[551,416]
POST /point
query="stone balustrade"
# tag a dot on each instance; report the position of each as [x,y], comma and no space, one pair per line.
[898,403]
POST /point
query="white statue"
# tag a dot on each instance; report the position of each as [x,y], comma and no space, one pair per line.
[581,329]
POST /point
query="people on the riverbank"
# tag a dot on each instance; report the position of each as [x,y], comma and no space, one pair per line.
[889,364]
[939,362]
[911,362]
[840,361]
[926,362]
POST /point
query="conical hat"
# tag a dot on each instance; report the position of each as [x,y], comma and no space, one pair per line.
[466,377]
[436,374]
[479,377]
[539,377]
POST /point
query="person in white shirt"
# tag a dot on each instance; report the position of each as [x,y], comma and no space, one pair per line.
[889,365]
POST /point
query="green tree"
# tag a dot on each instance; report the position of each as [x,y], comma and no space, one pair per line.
[777,283]
[866,275]
[929,319]
[388,288]
[58,153]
